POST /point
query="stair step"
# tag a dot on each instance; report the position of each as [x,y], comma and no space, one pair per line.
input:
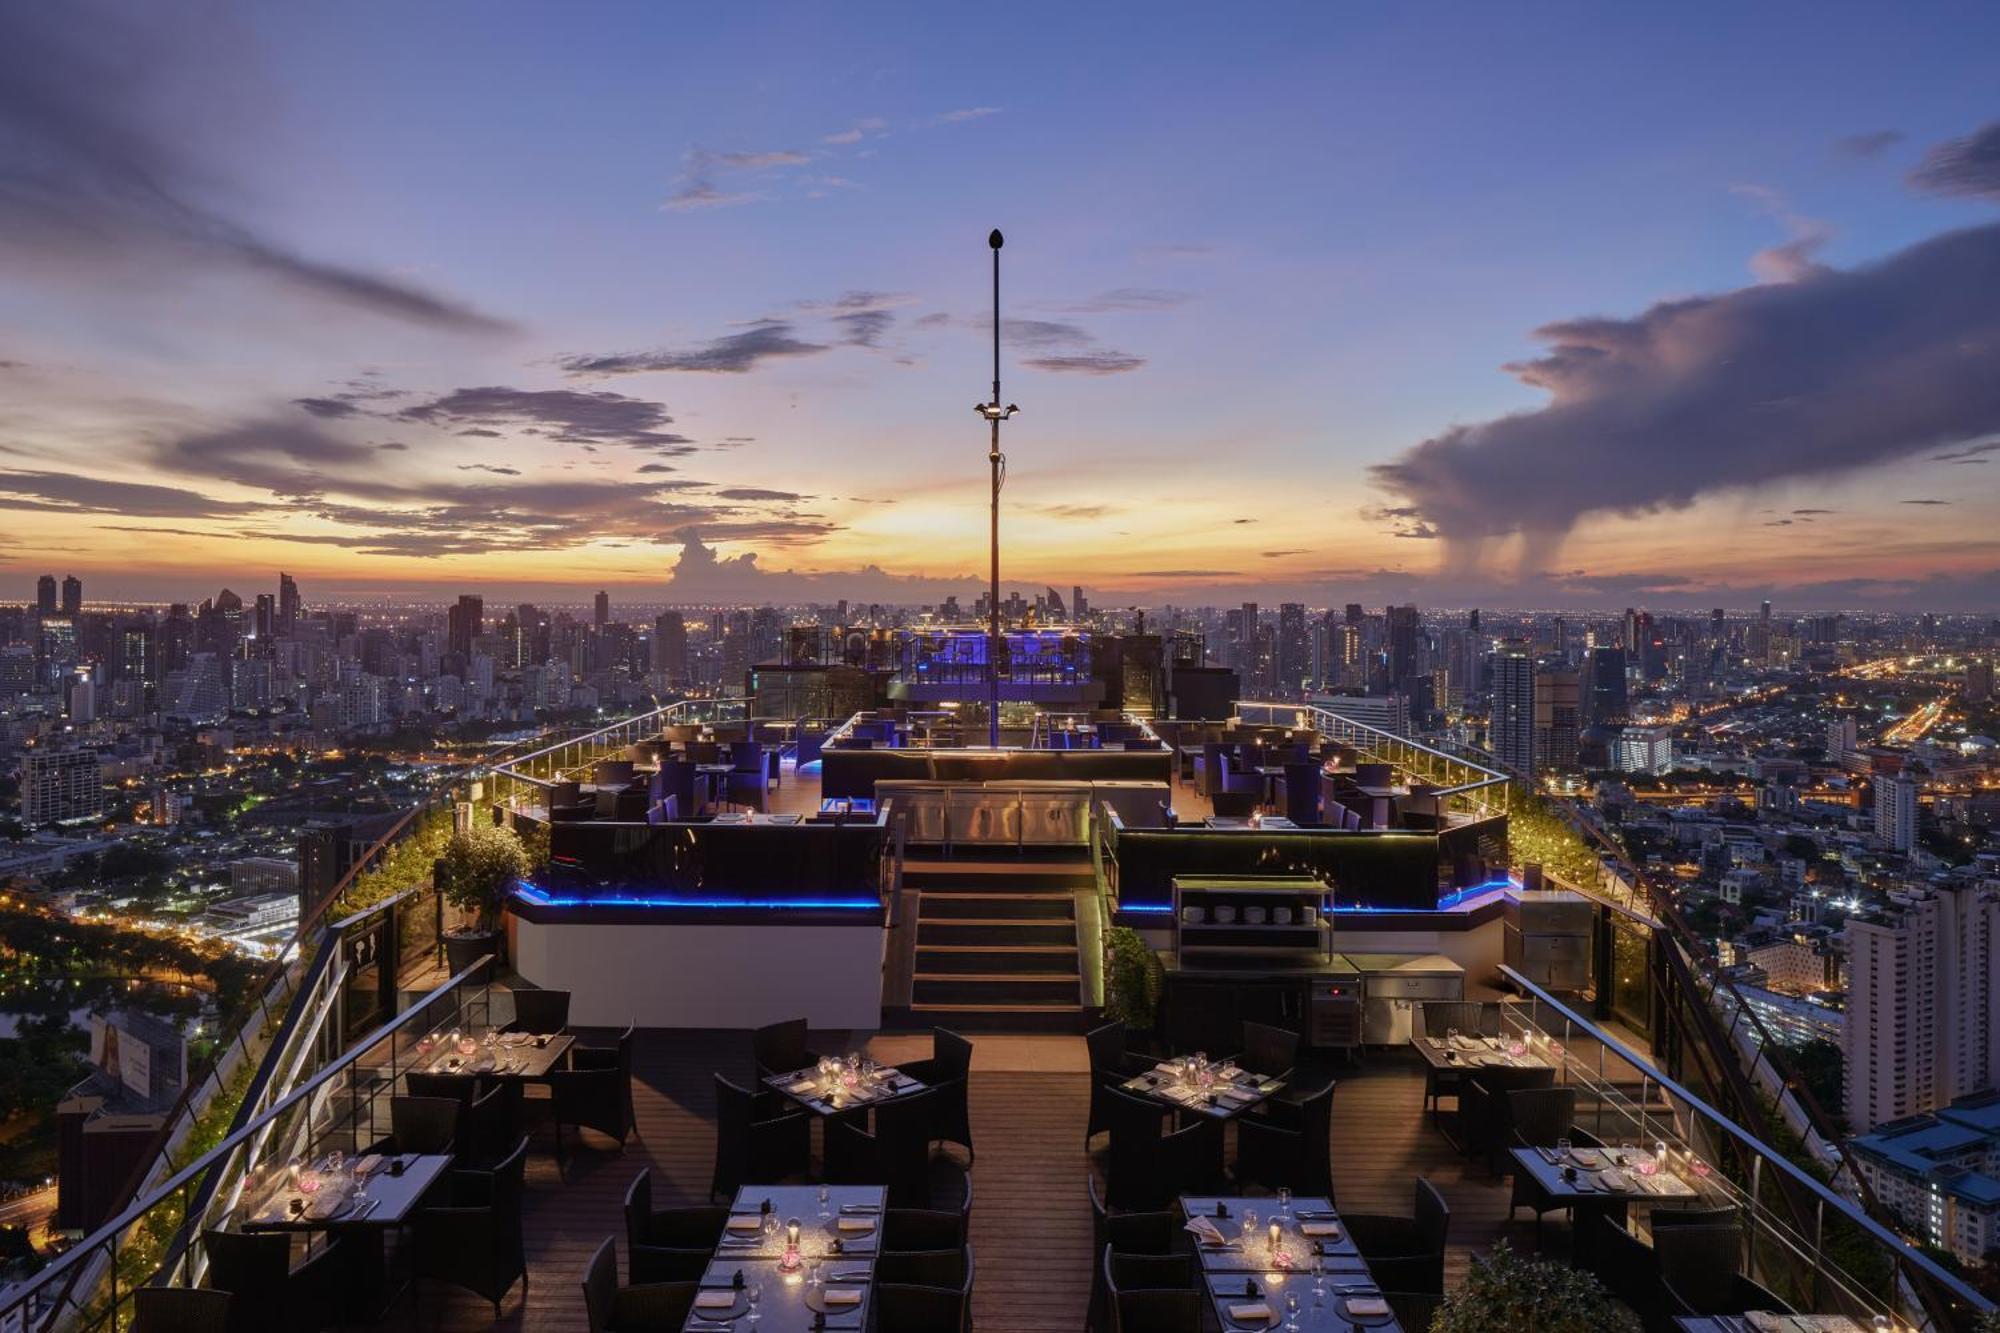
[993,906]
[993,993]
[987,934]
[1023,961]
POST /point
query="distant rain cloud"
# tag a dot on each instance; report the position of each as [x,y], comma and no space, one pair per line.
[1835,372]
[731,354]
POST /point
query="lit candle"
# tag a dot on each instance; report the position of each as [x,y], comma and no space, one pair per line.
[1277,1239]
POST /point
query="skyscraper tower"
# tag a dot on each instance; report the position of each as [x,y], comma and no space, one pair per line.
[1513,722]
[72,596]
[601,612]
[45,595]
[464,623]
[288,605]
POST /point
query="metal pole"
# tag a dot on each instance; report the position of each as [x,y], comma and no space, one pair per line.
[993,463]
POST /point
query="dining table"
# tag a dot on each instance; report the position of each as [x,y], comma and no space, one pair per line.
[361,1202]
[1221,1092]
[807,1088]
[1251,1283]
[513,1057]
[1461,1054]
[1601,1182]
[822,1277]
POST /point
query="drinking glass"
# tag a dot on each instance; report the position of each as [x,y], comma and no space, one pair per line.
[1562,1148]
[770,1227]
[1285,1202]
[1451,1035]
[1292,1311]
[812,1273]
[754,1293]
[1249,1227]
[824,1195]
[1319,1274]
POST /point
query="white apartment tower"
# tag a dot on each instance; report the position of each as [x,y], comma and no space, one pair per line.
[1923,985]
[1896,811]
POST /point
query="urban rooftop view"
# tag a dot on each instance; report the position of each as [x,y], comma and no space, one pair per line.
[554,777]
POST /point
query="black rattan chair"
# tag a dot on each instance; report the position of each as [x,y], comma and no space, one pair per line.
[595,1092]
[542,1012]
[459,1087]
[1542,1118]
[908,1309]
[755,1140]
[1295,1151]
[654,1307]
[180,1310]
[657,1238]
[1270,1051]
[922,1229]
[1484,1113]
[1405,1253]
[1152,1293]
[490,1127]
[780,1048]
[1189,1160]
[925,1268]
[1109,1066]
[947,1072]
[1155,1233]
[422,1124]
[1701,1273]
[1136,1124]
[255,1268]
[474,1239]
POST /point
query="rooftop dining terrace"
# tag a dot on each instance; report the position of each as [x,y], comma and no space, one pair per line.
[1030,1227]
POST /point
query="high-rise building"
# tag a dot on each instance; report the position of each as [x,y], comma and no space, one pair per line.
[1896,811]
[45,595]
[1842,736]
[1979,679]
[288,605]
[1512,726]
[1406,628]
[264,619]
[58,786]
[1557,718]
[1605,702]
[465,622]
[1078,608]
[72,596]
[1923,1002]
[1294,664]
[601,612]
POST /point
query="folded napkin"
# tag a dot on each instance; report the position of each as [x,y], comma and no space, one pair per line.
[1615,1180]
[1228,1072]
[802,1087]
[1244,1314]
[856,1224]
[325,1204]
[715,1300]
[1206,1231]
[1327,1230]
[368,1165]
[1366,1305]
[746,1222]
[1237,1095]
[833,1296]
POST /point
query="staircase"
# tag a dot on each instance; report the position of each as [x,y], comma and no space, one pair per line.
[999,946]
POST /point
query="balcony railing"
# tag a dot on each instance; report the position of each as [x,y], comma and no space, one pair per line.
[344,1106]
[1467,790]
[1811,1245]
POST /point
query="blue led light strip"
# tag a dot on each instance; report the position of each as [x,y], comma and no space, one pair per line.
[543,898]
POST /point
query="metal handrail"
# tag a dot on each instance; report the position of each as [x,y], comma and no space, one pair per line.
[1794,1175]
[104,1239]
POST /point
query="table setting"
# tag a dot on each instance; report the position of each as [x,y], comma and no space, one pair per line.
[493,1052]
[1194,1083]
[843,1083]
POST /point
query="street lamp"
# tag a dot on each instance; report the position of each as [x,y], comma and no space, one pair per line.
[997,461]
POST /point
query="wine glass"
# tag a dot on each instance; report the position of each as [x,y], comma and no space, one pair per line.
[1285,1202]
[1562,1148]
[770,1228]
[1249,1227]
[1292,1310]
[754,1293]
[1319,1274]
[812,1274]
[824,1196]
[1451,1036]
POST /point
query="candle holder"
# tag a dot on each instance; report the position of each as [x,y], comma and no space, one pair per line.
[790,1260]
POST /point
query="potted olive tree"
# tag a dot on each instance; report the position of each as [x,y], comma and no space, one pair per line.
[479,868]
[1506,1291]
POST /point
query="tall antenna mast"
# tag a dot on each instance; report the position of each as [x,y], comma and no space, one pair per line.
[997,461]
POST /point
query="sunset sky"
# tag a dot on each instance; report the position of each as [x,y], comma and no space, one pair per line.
[1455,303]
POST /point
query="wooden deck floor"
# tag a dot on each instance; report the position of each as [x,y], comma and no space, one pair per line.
[1031,1218]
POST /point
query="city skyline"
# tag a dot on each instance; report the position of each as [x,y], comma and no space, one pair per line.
[690,309]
